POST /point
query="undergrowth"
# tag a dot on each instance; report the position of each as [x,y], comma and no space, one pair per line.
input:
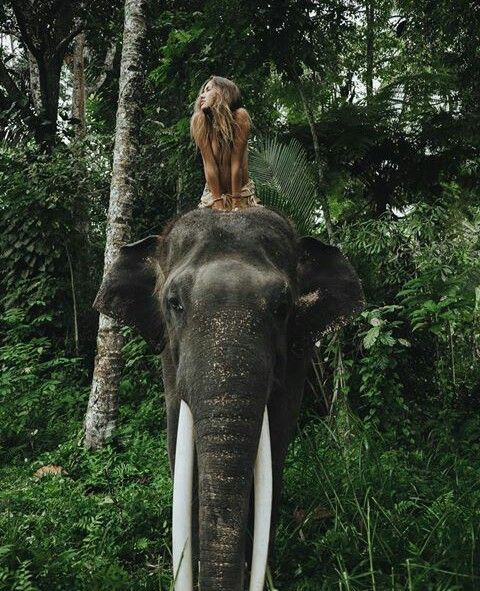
[96,521]
[359,514]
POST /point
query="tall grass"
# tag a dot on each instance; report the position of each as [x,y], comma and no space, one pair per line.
[359,515]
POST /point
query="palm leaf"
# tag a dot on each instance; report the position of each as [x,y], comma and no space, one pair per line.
[284,180]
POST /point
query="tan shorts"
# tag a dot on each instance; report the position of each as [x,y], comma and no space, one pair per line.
[247,192]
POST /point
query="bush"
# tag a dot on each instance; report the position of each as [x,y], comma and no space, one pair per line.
[72,518]
[50,238]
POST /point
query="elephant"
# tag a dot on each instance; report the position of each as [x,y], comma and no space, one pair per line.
[234,302]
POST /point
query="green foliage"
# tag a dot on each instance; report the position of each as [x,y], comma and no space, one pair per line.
[381,388]
[420,275]
[381,494]
[284,180]
[39,397]
[50,235]
[104,521]
[360,514]
[102,524]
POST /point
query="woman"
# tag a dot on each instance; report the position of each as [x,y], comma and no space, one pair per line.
[220,127]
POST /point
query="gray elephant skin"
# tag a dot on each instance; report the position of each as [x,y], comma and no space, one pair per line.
[234,302]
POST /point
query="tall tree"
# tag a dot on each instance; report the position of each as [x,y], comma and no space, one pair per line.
[370,37]
[46,30]
[321,194]
[102,408]
[78,86]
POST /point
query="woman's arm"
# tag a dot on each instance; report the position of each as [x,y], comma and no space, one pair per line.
[238,150]
[210,169]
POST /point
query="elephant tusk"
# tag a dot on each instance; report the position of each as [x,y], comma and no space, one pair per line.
[182,502]
[263,508]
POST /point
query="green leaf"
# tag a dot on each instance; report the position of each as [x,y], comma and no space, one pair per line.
[371,336]
[284,180]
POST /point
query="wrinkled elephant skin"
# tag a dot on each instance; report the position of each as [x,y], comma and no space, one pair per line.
[235,302]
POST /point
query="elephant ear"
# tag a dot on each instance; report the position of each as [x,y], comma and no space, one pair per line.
[330,292]
[128,293]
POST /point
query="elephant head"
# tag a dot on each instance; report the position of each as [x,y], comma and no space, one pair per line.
[235,302]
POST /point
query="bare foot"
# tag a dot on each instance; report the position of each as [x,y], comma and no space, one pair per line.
[218,204]
[239,202]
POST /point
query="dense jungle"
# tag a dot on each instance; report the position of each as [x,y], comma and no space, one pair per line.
[366,118]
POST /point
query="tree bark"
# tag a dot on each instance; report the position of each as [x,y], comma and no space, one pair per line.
[78,87]
[34,83]
[46,131]
[370,16]
[102,408]
[318,161]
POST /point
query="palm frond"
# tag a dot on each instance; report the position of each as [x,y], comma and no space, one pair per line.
[284,180]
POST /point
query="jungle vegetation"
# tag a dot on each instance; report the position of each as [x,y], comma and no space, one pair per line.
[366,132]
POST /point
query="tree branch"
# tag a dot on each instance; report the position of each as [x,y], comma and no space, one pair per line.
[107,67]
[60,48]
[22,25]
[79,26]
[9,84]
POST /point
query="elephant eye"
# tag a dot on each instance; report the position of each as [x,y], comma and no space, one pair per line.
[173,303]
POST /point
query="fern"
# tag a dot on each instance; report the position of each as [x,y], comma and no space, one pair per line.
[284,180]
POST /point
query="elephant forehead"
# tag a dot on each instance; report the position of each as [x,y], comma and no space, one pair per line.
[230,272]
[257,234]
[235,280]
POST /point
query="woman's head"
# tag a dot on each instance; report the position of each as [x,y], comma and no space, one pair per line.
[216,91]
[213,111]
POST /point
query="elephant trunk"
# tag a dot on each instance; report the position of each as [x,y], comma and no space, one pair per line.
[182,503]
[227,431]
[226,391]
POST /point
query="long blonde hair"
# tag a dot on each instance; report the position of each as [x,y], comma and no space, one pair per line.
[218,123]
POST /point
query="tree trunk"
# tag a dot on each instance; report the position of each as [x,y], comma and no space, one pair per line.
[46,131]
[318,161]
[46,29]
[34,83]
[108,65]
[78,87]
[370,16]
[103,403]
